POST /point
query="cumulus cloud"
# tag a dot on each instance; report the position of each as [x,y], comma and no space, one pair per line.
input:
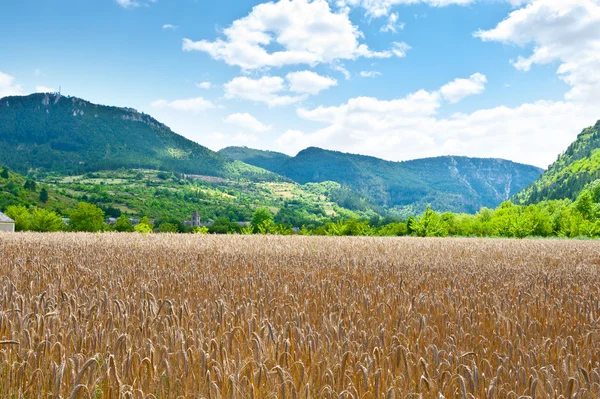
[45,89]
[134,3]
[567,31]
[194,105]
[399,49]
[128,3]
[267,89]
[392,24]
[379,8]
[409,127]
[273,90]
[247,121]
[8,86]
[204,85]
[307,32]
[563,31]
[341,69]
[461,88]
[309,82]
[370,74]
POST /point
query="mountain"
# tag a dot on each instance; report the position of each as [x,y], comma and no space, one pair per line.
[70,135]
[572,171]
[450,183]
[269,160]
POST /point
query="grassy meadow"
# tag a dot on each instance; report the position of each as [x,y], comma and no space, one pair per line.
[207,316]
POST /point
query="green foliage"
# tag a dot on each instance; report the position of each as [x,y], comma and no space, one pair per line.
[168,228]
[46,221]
[200,230]
[430,224]
[123,224]
[144,226]
[4,173]
[457,184]
[44,195]
[223,225]
[31,186]
[262,221]
[20,215]
[87,217]
[578,167]
[54,133]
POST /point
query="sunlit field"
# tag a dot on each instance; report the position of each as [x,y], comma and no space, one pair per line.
[188,316]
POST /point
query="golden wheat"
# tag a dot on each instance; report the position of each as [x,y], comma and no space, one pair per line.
[182,316]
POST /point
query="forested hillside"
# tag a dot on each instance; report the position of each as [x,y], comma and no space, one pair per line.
[70,135]
[571,173]
[457,184]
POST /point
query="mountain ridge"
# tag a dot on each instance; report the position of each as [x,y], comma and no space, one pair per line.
[573,170]
[452,183]
[71,135]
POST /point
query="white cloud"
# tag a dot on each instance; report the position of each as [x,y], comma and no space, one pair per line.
[307,32]
[267,89]
[128,3]
[409,128]
[392,24]
[563,31]
[44,89]
[247,121]
[169,27]
[204,85]
[370,74]
[309,82]
[195,105]
[461,88]
[379,8]
[399,49]
[8,87]
[567,31]
[341,69]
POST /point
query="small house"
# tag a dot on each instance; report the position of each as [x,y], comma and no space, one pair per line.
[6,223]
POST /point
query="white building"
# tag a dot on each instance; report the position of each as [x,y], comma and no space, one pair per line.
[6,223]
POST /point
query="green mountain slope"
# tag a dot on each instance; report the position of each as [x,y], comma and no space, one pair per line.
[70,135]
[457,184]
[269,160]
[572,171]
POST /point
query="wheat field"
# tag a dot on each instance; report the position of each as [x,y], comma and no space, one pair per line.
[182,316]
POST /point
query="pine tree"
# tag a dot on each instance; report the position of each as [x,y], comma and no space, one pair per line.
[44,195]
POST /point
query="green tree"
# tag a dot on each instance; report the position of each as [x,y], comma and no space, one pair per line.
[44,195]
[200,230]
[46,221]
[20,215]
[223,225]
[168,228]
[429,225]
[30,185]
[123,224]
[87,217]
[144,226]
[585,204]
[262,220]
[4,173]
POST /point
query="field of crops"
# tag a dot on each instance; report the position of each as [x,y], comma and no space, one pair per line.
[165,316]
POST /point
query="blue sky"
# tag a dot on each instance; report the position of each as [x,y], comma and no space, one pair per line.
[398,79]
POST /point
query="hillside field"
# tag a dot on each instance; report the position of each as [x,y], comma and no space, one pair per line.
[193,316]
